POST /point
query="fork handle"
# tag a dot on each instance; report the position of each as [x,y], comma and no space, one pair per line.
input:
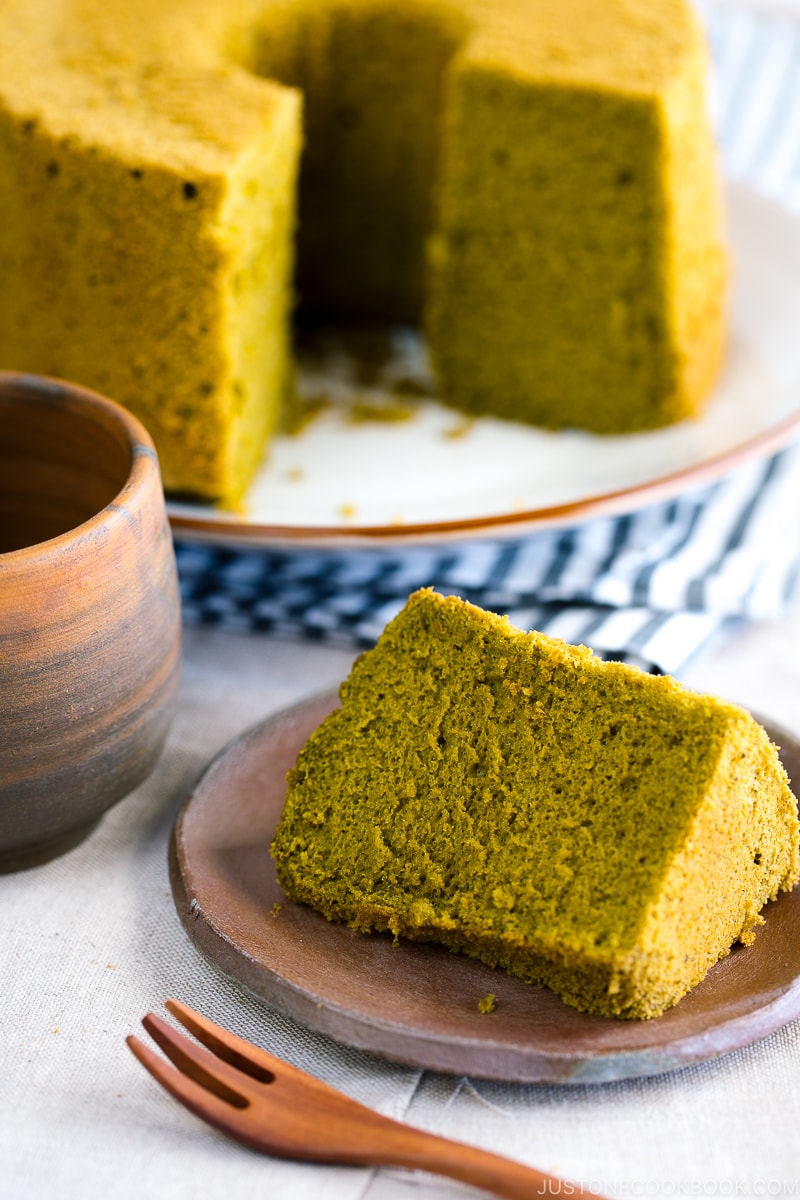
[469,1164]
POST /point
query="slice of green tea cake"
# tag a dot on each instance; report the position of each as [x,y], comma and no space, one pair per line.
[584,825]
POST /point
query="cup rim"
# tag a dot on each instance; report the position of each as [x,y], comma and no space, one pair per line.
[143,455]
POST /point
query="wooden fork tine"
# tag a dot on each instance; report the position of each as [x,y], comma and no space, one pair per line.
[210,1072]
[252,1060]
[191,1094]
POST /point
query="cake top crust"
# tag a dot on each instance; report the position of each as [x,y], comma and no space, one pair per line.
[135,72]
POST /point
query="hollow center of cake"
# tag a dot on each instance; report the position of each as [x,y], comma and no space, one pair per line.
[372,84]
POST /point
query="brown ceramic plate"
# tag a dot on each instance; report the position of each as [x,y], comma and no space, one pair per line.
[418,1004]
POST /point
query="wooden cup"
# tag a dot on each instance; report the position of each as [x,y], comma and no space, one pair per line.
[89,614]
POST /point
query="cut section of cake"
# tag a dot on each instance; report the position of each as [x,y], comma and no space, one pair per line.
[586,826]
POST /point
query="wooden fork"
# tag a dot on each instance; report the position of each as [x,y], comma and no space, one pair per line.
[274,1107]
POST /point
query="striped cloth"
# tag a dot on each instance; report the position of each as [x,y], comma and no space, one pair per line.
[653,587]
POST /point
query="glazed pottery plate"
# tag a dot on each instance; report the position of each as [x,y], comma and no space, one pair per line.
[418,1004]
[379,465]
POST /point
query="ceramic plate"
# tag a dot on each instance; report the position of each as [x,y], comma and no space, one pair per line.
[436,476]
[418,1004]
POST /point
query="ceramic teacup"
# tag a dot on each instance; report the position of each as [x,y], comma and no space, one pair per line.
[89,614]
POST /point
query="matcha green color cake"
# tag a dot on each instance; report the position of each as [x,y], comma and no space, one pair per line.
[531,181]
[147,213]
[584,825]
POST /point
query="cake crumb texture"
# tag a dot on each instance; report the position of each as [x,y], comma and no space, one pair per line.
[581,824]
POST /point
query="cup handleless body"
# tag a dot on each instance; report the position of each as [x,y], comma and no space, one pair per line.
[89,617]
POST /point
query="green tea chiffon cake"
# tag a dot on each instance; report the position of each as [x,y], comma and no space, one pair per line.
[532,182]
[584,825]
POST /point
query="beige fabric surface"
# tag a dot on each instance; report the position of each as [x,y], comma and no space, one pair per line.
[92,941]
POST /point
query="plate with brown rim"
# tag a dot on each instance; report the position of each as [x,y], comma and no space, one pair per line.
[416,1003]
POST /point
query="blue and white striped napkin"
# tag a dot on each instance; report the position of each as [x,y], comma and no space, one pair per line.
[653,587]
